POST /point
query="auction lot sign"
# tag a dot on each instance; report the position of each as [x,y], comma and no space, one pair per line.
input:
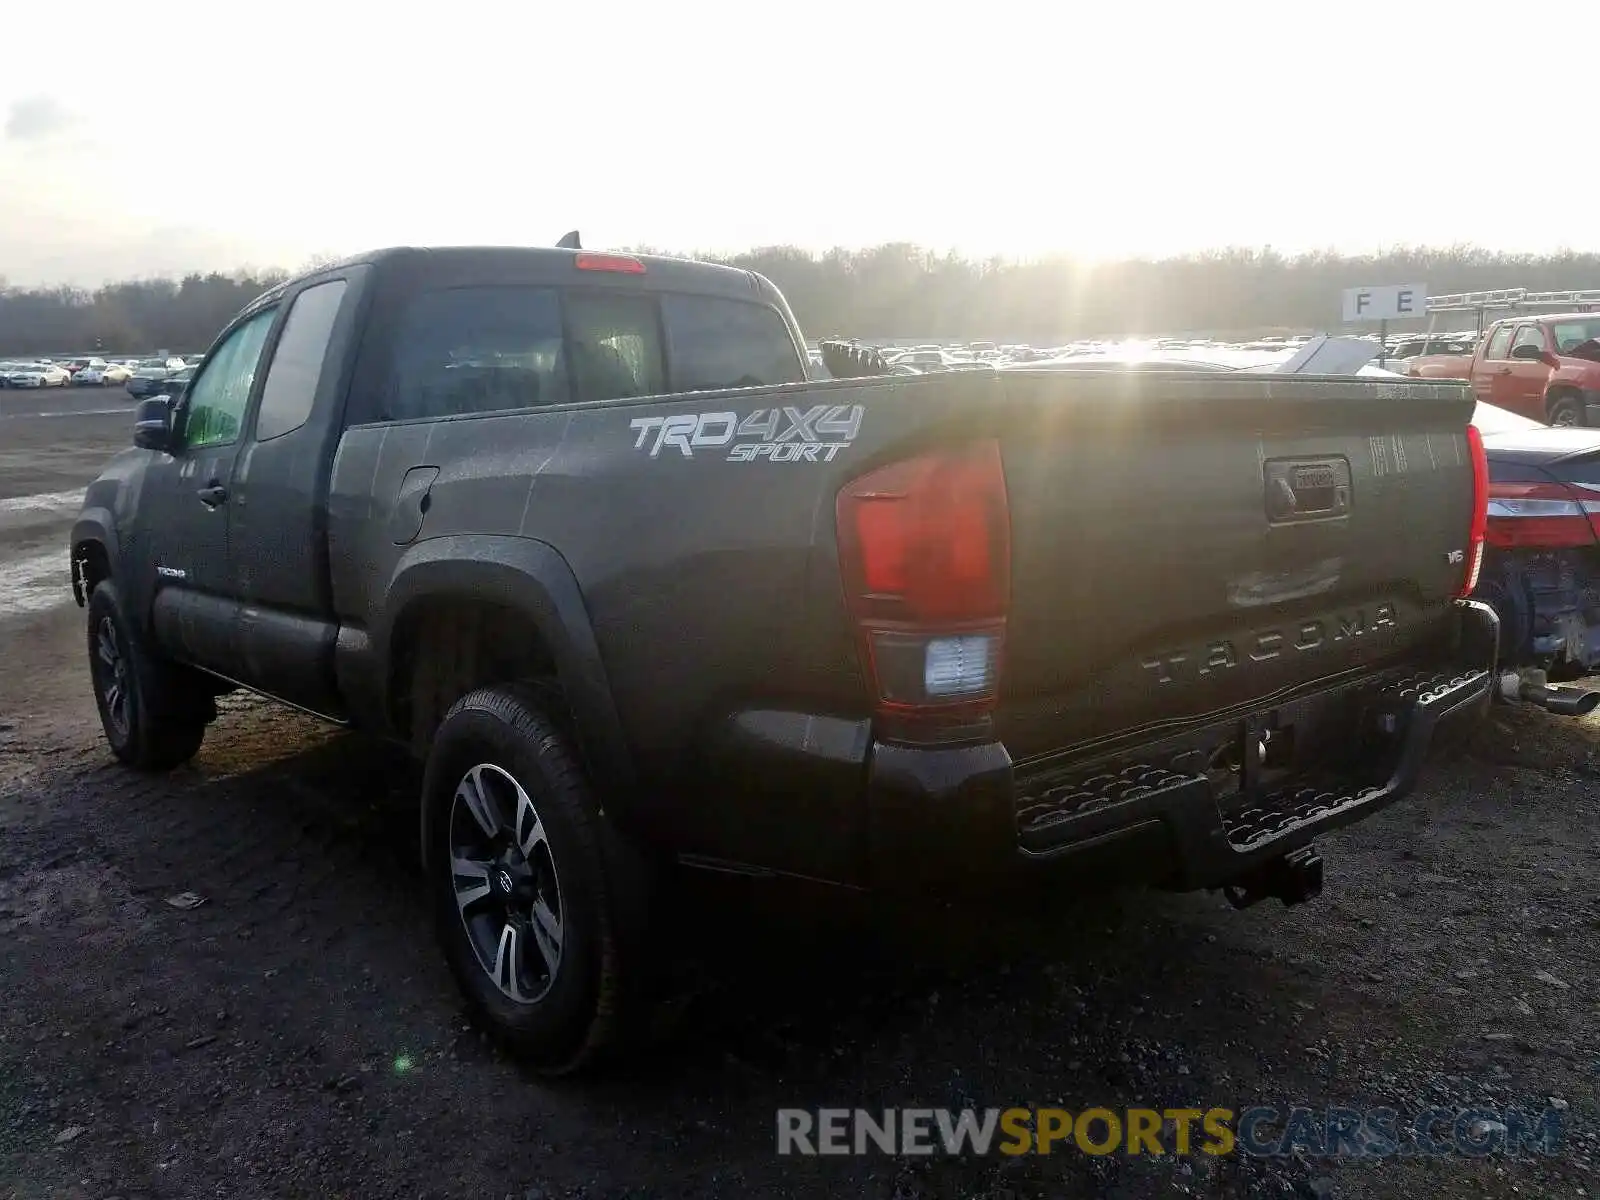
[1262,1131]
[1391,302]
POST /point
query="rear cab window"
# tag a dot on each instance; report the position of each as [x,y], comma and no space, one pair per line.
[614,340]
[716,343]
[477,350]
[1499,343]
[474,350]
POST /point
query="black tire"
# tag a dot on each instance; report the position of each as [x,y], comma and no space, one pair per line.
[154,712]
[1566,409]
[561,1018]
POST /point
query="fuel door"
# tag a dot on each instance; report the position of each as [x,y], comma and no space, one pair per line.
[411,505]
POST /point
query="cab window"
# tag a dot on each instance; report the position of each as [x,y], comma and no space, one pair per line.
[215,402]
[1500,343]
[716,343]
[477,350]
[291,384]
[614,339]
[1529,335]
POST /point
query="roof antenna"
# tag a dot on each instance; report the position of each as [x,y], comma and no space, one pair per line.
[570,242]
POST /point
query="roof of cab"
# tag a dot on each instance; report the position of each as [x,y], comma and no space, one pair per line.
[458,264]
[408,269]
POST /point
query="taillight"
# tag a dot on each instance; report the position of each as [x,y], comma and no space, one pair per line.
[1540,515]
[925,550]
[621,263]
[1478,529]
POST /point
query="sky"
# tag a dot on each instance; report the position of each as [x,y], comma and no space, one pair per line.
[220,136]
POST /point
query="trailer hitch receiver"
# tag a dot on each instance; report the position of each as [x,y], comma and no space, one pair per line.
[1293,879]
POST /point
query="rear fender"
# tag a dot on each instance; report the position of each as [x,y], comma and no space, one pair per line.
[531,578]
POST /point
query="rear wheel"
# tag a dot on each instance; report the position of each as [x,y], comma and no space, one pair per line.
[537,903]
[1566,409]
[154,713]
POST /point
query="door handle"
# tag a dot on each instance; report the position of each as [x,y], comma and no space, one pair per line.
[1505,371]
[213,495]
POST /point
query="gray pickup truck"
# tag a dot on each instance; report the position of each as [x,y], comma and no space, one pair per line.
[578,530]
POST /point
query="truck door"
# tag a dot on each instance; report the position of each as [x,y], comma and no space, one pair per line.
[1492,364]
[188,504]
[1529,378]
[277,542]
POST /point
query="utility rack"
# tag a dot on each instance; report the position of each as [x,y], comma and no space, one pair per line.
[1513,300]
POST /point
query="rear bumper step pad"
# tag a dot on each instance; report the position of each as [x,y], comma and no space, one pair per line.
[1392,719]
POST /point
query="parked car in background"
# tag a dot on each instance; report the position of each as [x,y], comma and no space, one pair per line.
[922,361]
[1445,346]
[177,383]
[1541,565]
[75,366]
[106,375]
[36,375]
[151,376]
[1546,368]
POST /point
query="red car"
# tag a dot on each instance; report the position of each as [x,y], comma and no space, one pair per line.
[1541,567]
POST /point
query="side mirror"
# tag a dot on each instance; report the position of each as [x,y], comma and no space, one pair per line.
[1529,353]
[152,424]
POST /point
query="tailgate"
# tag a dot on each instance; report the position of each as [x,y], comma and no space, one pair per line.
[1186,544]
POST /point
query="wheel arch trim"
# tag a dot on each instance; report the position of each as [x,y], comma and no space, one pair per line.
[532,578]
[94,526]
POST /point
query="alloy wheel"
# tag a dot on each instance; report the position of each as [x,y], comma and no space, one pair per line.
[112,671]
[504,879]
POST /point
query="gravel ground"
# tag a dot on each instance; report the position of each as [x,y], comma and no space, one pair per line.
[297,1035]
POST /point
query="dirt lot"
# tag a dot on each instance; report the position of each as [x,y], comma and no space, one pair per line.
[296,1034]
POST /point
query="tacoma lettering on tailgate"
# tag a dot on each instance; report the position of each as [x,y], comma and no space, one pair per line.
[1267,644]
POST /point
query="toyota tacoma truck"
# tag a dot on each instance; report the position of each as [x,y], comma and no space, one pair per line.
[578,529]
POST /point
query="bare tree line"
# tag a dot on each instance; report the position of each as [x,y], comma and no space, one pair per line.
[887,291]
[134,317]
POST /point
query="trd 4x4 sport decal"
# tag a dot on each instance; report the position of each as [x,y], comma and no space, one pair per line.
[816,434]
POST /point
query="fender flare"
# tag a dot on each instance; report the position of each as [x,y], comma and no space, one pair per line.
[94,525]
[532,578]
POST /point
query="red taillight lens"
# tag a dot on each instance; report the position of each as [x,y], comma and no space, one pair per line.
[925,550]
[1478,530]
[1540,516]
[610,262]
